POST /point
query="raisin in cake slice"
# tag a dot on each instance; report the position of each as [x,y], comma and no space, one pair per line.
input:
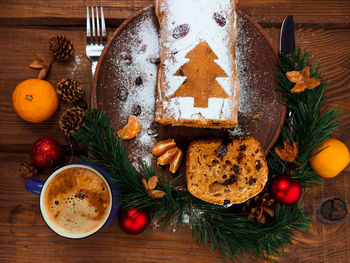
[224,177]
[197,82]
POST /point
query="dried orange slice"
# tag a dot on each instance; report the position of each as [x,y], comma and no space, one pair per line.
[131,129]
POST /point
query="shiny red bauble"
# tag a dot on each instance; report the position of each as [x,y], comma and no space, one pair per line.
[286,190]
[46,152]
[134,221]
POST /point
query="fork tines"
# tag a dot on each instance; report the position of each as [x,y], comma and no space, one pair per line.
[98,35]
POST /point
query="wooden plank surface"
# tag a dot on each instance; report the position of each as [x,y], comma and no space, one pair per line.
[17,56]
[323,28]
[39,12]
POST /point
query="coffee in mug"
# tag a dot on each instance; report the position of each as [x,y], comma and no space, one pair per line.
[76,201]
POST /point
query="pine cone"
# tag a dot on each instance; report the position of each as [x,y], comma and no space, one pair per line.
[69,120]
[70,90]
[61,47]
[27,170]
[260,207]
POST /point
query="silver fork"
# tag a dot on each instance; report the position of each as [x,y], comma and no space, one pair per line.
[95,42]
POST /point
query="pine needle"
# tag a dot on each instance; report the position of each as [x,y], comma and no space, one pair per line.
[306,124]
[222,228]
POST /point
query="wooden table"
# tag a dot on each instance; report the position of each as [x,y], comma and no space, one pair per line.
[322,27]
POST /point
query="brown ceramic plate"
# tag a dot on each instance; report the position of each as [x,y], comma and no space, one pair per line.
[125,83]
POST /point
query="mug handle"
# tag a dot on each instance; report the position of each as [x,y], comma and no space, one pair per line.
[34,186]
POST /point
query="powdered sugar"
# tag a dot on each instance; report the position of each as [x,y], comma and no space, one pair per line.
[244,46]
[76,65]
[186,219]
[249,97]
[199,17]
[238,131]
[144,47]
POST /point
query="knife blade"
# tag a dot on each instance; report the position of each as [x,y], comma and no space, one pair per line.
[287,46]
[287,41]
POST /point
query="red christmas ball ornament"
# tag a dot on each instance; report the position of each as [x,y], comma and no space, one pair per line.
[286,190]
[133,221]
[46,152]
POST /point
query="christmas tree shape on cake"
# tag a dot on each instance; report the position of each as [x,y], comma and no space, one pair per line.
[201,72]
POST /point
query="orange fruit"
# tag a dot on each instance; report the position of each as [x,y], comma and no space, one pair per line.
[333,158]
[35,100]
[131,129]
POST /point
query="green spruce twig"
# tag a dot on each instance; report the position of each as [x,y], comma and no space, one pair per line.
[308,123]
[224,229]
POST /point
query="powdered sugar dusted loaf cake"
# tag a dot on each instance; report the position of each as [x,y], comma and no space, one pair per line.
[197,82]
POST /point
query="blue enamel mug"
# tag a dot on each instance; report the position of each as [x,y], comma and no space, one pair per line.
[71,217]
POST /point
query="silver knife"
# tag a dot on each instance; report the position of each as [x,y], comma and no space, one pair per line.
[287,41]
[287,46]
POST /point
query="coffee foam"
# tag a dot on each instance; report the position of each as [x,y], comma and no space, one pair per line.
[76,202]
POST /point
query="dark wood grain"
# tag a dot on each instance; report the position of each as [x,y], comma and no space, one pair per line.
[331,46]
[323,28]
[24,236]
[268,12]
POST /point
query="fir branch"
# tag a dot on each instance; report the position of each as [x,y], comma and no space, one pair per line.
[306,123]
[224,229]
[231,233]
[108,151]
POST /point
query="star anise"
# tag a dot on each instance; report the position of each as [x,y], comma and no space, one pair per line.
[288,153]
[302,80]
[263,206]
